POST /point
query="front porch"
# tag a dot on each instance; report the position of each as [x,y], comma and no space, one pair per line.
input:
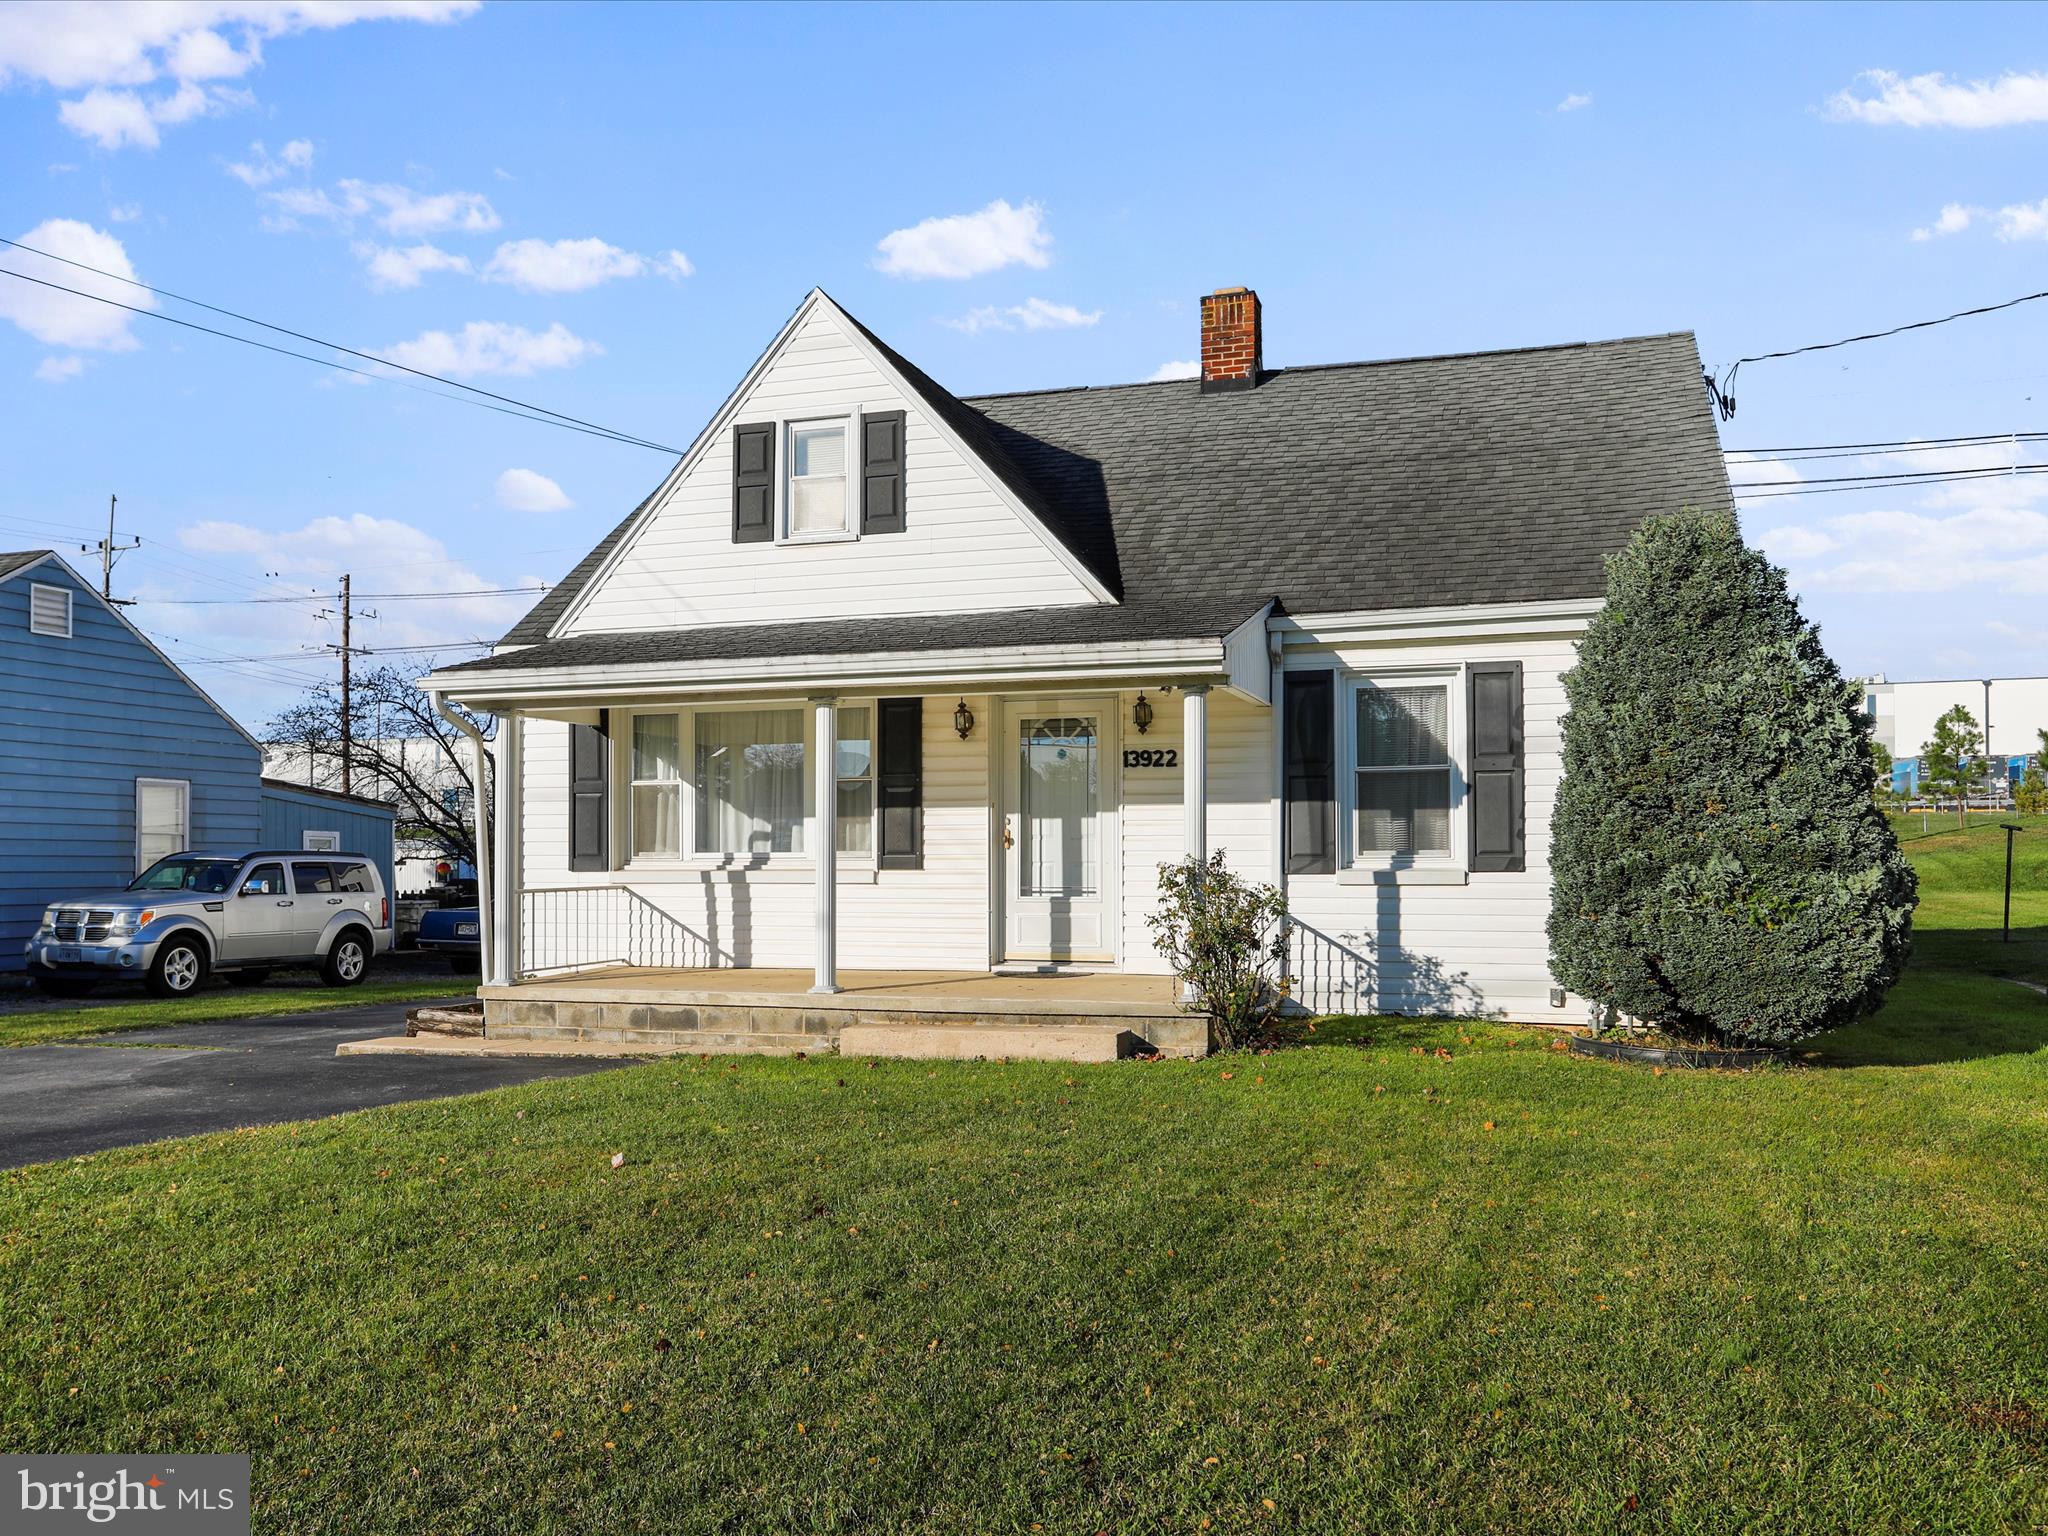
[952,1014]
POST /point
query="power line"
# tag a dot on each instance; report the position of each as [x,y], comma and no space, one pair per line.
[545,418]
[1889,445]
[382,362]
[322,597]
[1723,395]
[1778,488]
[1959,472]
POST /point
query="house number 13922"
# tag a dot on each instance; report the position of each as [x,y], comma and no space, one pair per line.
[1152,757]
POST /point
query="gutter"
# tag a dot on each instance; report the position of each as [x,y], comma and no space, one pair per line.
[487,924]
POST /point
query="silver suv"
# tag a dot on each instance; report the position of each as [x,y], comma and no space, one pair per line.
[238,914]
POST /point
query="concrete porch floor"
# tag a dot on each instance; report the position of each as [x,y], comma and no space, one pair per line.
[1075,1016]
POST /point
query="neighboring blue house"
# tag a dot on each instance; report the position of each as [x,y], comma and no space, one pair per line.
[327,821]
[110,757]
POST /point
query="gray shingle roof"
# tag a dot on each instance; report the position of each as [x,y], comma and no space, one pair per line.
[10,563]
[1485,477]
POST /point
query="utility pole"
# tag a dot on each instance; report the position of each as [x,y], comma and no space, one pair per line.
[347,771]
[109,552]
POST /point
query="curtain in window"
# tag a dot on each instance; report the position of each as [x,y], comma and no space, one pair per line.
[657,785]
[750,782]
[1403,805]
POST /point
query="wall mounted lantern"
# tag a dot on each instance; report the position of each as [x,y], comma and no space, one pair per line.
[1141,714]
[963,719]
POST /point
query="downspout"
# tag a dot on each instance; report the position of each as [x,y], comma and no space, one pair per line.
[487,926]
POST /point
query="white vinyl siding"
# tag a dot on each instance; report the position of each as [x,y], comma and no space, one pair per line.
[963,549]
[49,610]
[1459,943]
[163,820]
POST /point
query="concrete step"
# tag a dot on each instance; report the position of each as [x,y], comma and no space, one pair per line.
[1012,1042]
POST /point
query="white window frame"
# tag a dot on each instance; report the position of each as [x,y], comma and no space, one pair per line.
[625,784]
[184,788]
[841,779]
[849,423]
[1452,681]
[42,589]
[329,842]
[687,858]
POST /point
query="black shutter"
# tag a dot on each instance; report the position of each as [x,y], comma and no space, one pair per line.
[589,793]
[881,472]
[1310,704]
[899,782]
[753,484]
[1493,773]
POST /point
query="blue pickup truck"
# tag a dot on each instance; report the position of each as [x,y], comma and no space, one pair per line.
[456,933]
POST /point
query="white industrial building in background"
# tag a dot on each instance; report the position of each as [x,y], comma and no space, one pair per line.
[1905,712]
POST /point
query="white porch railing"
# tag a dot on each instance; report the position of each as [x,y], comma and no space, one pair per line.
[1347,973]
[586,927]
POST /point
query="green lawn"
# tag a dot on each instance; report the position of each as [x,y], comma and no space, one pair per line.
[297,994]
[1415,1277]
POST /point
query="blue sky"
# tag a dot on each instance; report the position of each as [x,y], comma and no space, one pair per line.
[610,210]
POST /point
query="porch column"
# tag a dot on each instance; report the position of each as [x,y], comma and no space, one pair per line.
[504,956]
[1194,756]
[825,840]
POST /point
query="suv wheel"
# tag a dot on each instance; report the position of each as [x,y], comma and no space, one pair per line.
[179,967]
[347,961]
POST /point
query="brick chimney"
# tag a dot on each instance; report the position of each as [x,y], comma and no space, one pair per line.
[1231,336]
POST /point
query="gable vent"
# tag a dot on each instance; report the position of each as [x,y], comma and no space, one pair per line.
[49,610]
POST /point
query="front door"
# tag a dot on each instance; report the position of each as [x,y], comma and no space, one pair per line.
[1058,832]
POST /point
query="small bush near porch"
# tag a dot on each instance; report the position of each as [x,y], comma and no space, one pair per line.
[1418,1277]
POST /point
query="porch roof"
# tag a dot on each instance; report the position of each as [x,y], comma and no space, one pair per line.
[1185,636]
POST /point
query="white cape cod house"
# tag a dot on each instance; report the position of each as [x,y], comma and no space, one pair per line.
[882,711]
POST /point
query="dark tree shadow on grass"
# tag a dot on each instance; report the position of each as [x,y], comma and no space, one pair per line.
[1935,1016]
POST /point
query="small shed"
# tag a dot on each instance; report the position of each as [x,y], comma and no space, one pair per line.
[327,821]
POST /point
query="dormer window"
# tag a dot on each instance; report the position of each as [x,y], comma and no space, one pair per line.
[817,479]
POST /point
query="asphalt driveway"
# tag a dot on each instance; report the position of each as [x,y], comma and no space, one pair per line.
[64,1100]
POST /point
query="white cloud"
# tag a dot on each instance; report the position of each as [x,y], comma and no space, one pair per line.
[60,370]
[968,244]
[313,557]
[561,266]
[395,209]
[1953,220]
[1794,543]
[526,490]
[63,319]
[1575,101]
[392,267]
[1935,101]
[1191,368]
[108,50]
[260,170]
[2003,549]
[492,347]
[1031,315]
[125,213]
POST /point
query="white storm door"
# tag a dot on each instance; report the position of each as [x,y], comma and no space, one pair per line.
[1058,832]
